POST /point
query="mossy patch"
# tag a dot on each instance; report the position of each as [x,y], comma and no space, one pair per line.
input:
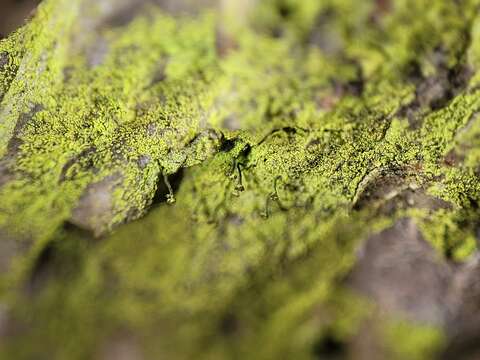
[294,145]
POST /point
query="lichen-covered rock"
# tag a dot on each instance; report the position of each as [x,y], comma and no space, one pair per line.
[230,179]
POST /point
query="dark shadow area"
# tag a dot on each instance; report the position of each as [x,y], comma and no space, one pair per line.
[13,14]
[328,347]
[60,259]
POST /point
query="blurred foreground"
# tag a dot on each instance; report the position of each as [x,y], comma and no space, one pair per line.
[264,179]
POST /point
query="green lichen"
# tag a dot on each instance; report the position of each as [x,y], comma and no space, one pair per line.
[413,342]
[279,141]
[451,233]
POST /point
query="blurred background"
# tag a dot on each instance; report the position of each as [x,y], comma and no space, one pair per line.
[13,14]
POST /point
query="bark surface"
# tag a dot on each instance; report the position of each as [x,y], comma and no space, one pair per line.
[259,179]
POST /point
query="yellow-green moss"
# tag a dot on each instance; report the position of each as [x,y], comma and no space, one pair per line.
[412,342]
[277,139]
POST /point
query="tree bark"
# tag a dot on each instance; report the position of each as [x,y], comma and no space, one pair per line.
[241,179]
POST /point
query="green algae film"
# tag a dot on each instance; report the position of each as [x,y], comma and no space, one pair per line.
[281,144]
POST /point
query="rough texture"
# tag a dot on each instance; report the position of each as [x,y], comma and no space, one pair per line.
[240,179]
